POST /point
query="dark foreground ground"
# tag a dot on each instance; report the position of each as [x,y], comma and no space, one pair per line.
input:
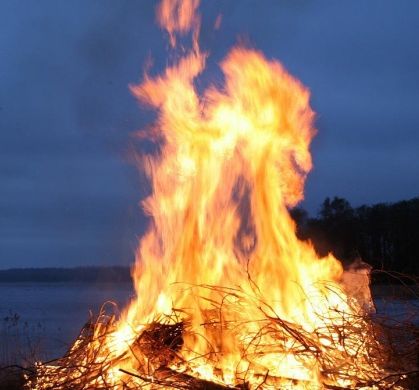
[12,378]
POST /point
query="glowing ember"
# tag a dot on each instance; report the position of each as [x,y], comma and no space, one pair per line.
[227,296]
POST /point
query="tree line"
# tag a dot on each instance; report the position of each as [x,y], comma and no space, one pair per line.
[384,235]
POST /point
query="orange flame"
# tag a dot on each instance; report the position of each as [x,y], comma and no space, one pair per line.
[221,254]
[178,16]
[231,163]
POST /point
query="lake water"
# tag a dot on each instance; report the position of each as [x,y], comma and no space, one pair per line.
[42,320]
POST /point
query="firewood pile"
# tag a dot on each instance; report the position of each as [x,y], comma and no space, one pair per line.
[391,361]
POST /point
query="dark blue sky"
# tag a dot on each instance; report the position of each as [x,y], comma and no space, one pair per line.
[68,193]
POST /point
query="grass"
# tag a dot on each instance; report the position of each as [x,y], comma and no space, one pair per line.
[21,346]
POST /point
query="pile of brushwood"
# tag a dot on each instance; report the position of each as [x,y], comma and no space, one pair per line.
[391,359]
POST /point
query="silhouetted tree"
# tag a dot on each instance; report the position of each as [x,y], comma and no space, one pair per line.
[300,216]
[384,235]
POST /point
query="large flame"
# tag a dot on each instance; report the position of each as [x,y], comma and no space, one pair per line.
[231,163]
[221,255]
[233,160]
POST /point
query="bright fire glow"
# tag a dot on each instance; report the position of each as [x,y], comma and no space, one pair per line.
[221,254]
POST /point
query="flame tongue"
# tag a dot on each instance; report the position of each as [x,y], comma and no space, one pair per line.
[231,163]
[222,247]
[179,16]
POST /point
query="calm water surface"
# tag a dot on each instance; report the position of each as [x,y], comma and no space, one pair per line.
[45,318]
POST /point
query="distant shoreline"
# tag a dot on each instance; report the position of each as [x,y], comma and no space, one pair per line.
[111,274]
[122,274]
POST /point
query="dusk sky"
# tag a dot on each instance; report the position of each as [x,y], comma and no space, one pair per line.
[69,192]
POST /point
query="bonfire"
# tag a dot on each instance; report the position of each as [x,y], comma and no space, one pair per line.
[227,297]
